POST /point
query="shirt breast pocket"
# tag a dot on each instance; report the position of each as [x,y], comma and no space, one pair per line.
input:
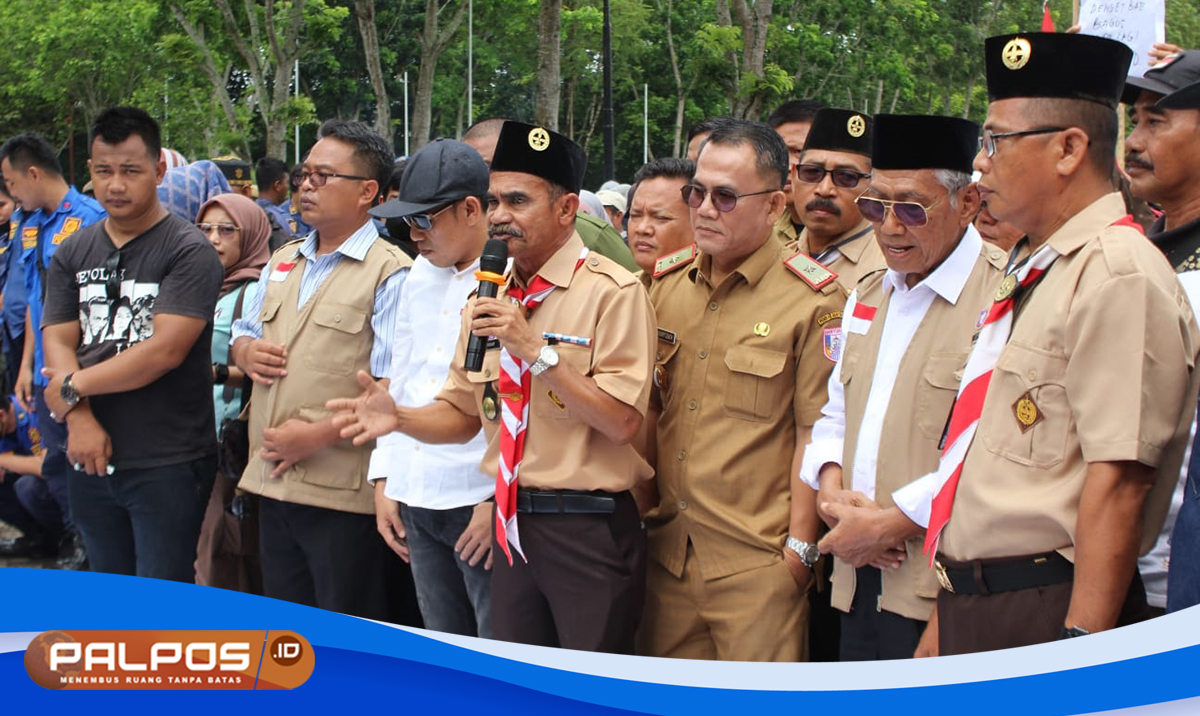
[1026,416]
[753,392]
[269,311]
[940,379]
[543,401]
[338,347]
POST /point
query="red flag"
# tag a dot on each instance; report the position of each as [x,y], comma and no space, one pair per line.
[1047,21]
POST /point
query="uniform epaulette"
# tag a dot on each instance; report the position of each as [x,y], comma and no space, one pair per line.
[670,262]
[811,271]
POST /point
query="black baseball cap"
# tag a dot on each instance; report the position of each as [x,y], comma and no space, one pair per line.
[1171,74]
[1185,98]
[444,171]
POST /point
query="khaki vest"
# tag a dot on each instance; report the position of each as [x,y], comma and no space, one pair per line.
[328,341]
[925,388]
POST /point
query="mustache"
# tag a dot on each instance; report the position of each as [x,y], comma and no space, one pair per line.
[1135,159]
[821,203]
[498,230]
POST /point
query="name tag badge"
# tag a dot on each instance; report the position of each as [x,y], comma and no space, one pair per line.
[492,344]
[666,336]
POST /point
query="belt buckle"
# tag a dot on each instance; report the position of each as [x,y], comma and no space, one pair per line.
[942,577]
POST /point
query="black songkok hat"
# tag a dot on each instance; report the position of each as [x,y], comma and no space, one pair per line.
[912,141]
[236,171]
[840,130]
[535,150]
[1058,65]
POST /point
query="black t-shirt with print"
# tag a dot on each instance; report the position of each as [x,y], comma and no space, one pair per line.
[170,269]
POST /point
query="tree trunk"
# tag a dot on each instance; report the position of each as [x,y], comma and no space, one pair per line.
[433,43]
[364,11]
[549,76]
[754,22]
[217,78]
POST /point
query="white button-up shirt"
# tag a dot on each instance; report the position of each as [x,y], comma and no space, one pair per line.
[435,477]
[905,311]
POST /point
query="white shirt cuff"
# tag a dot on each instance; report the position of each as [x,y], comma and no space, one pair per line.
[915,499]
[818,454]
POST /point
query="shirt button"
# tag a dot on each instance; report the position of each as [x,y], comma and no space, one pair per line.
[712,306]
[1032,375]
[416,448]
[594,261]
[337,318]
[658,356]
[703,354]
[682,454]
[439,349]
[683,504]
[691,405]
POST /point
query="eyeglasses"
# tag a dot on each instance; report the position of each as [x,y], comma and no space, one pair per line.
[112,277]
[318,179]
[814,173]
[725,200]
[225,231]
[988,141]
[424,222]
[909,213]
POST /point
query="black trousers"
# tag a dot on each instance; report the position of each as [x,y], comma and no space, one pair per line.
[583,586]
[323,558]
[871,634]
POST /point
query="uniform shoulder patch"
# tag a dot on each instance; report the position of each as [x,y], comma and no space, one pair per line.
[811,271]
[670,262]
[601,264]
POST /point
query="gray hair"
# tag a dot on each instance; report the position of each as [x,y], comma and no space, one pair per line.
[954,181]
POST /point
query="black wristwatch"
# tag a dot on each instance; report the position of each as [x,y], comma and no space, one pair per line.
[68,393]
[1072,632]
[220,373]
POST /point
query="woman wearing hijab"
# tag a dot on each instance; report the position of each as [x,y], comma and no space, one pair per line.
[185,189]
[227,553]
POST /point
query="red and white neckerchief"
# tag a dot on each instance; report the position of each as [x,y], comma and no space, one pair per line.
[964,418]
[513,387]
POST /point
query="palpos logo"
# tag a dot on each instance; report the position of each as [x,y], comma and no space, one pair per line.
[222,660]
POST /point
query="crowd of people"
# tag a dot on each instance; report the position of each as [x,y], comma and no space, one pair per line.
[832,387]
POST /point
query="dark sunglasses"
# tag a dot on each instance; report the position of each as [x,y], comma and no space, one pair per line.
[909,213]
[725,200]
[814,173]
[424,222]
[112,277]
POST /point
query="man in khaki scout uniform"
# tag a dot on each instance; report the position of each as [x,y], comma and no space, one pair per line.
[747,336]
[323,310]
[832,172]
[660,227]
[907,332]
[1082,425]
[576,578]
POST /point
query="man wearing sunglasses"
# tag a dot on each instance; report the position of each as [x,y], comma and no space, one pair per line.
[1067,437]
[138,408]
[1163,163]
[561,396]
[433,506]
[747,336]
[323,310]
[832,171]
[907,333]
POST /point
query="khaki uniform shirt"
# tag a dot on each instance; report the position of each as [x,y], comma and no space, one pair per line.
[1105,347]
[851,256]
[600,301]
[738,367]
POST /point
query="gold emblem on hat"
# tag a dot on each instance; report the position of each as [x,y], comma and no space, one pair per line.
[1016,53]
[1007,287]
[856,126]
[1027,412]
[539,139]
[762,329]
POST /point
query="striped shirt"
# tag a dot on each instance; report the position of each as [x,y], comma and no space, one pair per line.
[316,270]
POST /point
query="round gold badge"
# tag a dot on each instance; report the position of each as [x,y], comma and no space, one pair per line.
[762,329]
[1015,54]
[1027,412]
[489,407]
[539,139]
[1007,287]
[856,126]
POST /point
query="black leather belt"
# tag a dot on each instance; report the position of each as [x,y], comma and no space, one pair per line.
[566,502]
[1004,575]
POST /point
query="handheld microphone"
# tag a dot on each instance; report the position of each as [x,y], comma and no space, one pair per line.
[492,263]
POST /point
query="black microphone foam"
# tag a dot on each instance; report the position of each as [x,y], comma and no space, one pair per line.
[494,259]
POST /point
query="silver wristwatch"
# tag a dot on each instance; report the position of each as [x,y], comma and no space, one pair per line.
[547,359]
[808,553]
